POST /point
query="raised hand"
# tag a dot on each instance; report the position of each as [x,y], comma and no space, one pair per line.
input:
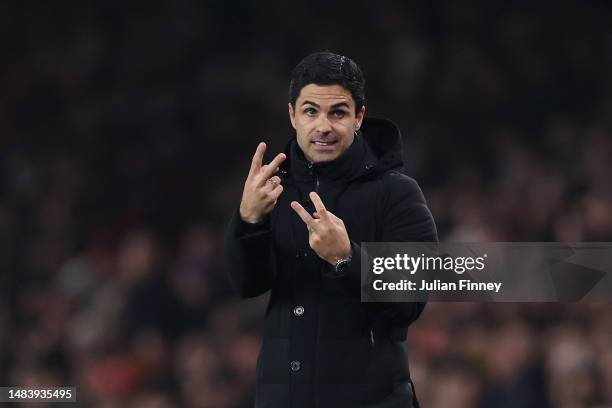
[261,188]
[327,234]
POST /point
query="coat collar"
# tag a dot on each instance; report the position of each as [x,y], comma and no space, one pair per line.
[339,169]
[376,149]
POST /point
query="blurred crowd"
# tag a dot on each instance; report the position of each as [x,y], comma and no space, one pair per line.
[126,135]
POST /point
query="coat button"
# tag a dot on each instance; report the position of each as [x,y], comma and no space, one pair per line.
[295,365]
[298,310]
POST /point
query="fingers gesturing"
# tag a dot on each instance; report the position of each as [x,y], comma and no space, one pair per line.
[261,188]
[263,172]
[327,234]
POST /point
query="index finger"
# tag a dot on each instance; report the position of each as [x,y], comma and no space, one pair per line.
[274,164]
[257,158]
[297,207]
[318,203]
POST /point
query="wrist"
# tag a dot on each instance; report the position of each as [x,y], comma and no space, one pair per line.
[248,218]
[345,255]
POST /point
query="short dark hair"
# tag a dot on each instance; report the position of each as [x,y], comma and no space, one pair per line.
[327,68]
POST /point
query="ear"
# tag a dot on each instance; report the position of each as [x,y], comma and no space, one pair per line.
[291,115]
[359,117]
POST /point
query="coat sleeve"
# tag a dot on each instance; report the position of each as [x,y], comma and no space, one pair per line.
[404,218]
[249,256]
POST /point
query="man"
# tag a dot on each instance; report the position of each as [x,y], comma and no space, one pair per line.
[297,233]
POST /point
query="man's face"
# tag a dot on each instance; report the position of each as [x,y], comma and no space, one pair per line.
[325,121]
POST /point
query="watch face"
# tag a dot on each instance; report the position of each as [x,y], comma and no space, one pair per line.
[342,265]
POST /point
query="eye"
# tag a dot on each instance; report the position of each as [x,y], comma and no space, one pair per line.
[310,111]
[339,114]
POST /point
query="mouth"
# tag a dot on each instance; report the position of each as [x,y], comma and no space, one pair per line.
[324,145]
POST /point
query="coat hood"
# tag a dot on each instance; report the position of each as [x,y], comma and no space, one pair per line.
[384,142]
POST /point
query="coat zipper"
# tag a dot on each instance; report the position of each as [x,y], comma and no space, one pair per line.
[314,173]
[316,368]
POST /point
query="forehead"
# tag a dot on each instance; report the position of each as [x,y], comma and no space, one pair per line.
[325,95]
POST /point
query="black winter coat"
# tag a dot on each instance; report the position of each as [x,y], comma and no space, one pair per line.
[322,347]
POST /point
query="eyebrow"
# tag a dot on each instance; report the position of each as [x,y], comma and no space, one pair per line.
[335,105]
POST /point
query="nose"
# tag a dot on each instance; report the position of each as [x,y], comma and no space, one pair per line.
[324,125]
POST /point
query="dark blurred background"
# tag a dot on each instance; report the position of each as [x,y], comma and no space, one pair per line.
[126,132]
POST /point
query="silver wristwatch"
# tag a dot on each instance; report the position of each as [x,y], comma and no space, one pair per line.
[341,265]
